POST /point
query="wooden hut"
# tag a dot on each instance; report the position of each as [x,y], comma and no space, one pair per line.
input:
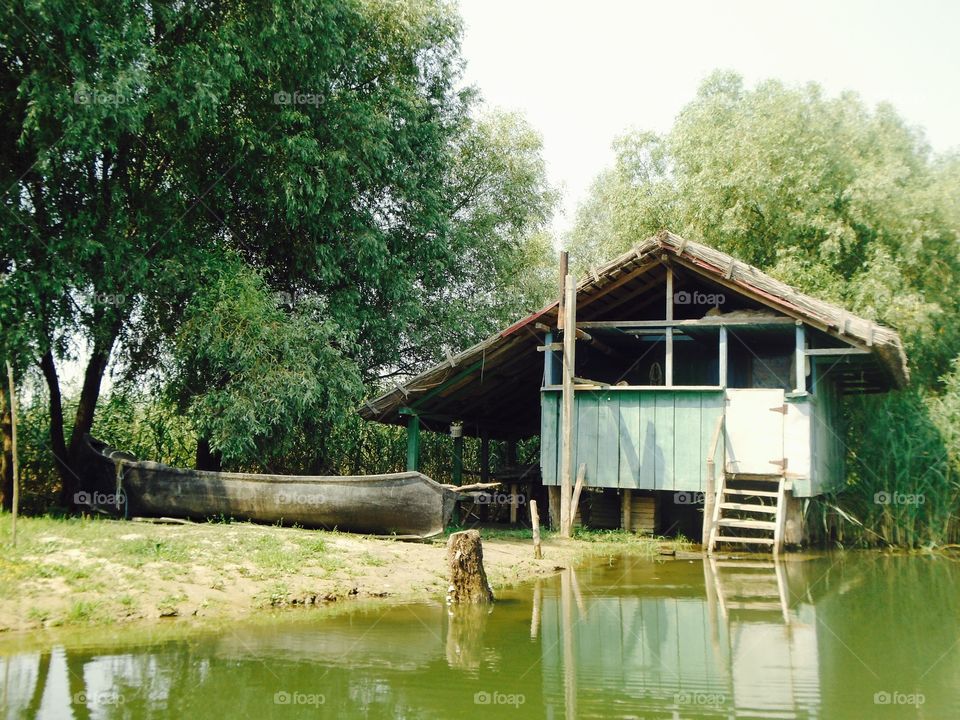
[686,359]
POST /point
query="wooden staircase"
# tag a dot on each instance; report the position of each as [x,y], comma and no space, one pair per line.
[748,513]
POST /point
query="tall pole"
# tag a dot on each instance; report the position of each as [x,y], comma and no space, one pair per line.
[564,264]
[569,349]
[668,360]
[16,463]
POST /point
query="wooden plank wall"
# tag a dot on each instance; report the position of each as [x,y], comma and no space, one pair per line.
[639,439]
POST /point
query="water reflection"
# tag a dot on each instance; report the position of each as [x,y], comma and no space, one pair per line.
[832,637]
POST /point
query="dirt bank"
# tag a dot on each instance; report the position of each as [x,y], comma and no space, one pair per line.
[94,572]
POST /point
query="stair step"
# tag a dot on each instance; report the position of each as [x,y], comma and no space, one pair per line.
[740,564]
[752,524]
[749,493]
[757,606]
[732,539]
[771,509]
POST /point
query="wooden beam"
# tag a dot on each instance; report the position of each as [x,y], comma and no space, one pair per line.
[723,357]
[633,294]
[800,382]
[413,443]
[668,370]
[619,282]
[711,321]
[835,352]
[566,452]
[561,310]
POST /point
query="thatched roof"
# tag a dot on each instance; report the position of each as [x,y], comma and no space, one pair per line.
[495,384]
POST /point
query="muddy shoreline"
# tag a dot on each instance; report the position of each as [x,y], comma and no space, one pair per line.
[83,572]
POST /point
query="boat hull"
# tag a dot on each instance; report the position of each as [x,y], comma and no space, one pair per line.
[409,503]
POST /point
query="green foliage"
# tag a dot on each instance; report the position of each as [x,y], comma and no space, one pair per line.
[246,373]
[841,201]
[324,146]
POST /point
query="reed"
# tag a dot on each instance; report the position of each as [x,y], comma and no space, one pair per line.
[903,485]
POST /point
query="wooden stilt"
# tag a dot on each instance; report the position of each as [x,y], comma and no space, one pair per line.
[575,498]
[514,503]
[553,509]
[626,509]
[535,522]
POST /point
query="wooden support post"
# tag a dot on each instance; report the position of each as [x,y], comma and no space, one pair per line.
[413,443]
[15,458]
[535,522]
[549,377]
[561,310]
[575,499]
[668,365]
[626,509]
[468,579]
[800,384]
[553,506]
[456,431]
[514,503]
[567,449]
[485,456]
[724,357]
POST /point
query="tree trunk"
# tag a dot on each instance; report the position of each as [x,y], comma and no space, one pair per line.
[6,457]
[208,459]
[68,458]
[468,580]
[58,443]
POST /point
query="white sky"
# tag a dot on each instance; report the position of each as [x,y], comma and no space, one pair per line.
[584,72]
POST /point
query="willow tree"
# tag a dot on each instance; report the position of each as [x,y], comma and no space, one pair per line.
[841,200]
[146,146]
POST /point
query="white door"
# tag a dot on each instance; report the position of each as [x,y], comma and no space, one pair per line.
[754,430]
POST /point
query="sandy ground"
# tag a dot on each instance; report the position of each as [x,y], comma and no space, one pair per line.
[68,573]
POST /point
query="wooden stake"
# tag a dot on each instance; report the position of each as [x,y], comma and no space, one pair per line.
[514,503]
[535,521]
[16,462]
[569,350]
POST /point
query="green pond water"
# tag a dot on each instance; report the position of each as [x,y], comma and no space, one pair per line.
[855,635]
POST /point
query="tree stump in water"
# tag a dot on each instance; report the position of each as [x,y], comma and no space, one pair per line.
[468,581]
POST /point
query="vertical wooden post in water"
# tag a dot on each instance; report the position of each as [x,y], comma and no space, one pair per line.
[16,461]
[535,522]
[569,349]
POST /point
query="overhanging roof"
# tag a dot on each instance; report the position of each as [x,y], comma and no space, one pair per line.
[495,385]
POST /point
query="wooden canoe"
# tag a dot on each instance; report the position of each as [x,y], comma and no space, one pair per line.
[408,503]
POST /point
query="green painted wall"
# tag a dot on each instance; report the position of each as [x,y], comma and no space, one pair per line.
[654,439]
